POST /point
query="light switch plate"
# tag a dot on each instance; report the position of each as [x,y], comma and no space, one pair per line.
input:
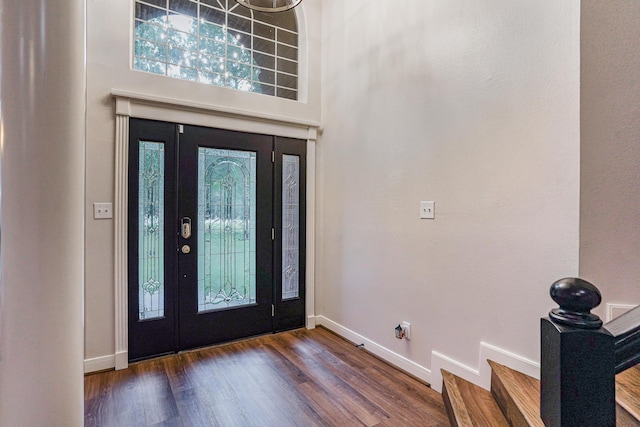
[102,210]
[427,210]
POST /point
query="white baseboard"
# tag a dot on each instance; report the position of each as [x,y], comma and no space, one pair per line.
[440,361]
[384,353]
[122,360]
[615,310]
[482,375]
[99,363]
[311,322]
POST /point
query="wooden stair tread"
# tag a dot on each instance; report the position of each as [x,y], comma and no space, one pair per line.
[514,399]
[624,418]
[469,405]
[517,394]
[628,392]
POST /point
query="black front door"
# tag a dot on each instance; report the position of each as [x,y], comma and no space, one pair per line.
[216,236]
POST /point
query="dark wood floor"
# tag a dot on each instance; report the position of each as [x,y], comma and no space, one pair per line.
[297,378]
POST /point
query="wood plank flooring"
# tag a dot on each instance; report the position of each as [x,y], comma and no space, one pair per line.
[297,378]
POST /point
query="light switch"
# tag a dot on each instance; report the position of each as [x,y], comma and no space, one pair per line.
[102,210]
[427,210]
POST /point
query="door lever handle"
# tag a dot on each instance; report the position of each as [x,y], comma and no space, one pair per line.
[185,227]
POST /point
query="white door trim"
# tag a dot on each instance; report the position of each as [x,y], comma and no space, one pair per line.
[129,104]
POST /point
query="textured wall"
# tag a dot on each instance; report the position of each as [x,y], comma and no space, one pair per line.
[474,105]
[610,149]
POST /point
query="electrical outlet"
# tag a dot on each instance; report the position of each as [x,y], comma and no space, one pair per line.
[427,210]
[406,329]
[102,211]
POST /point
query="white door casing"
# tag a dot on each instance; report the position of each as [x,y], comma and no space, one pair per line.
[129,104]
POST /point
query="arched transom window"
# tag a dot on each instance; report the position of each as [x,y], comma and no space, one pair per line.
[218,42]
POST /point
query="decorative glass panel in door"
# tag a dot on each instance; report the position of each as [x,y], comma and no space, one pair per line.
[151,230]
[226,228]
[290,226]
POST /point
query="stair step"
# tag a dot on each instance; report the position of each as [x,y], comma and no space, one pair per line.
[514,399]
[628,396]
[517,394]
[625,419]
[469,405]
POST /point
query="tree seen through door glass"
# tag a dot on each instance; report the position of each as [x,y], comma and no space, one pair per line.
[226,228]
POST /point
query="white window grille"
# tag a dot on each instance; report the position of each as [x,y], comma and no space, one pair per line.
[218,42]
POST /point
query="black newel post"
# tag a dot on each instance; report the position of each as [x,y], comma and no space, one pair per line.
[577,372]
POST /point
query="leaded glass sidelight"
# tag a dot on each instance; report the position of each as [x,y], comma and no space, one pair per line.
[226,228]
[151,230]
[290,227]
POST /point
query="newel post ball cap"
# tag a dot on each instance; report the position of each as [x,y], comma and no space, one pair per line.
[576,298]
[575,294]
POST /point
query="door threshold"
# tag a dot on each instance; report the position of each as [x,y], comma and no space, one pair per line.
[221,344]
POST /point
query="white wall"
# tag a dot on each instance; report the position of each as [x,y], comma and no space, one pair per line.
[610,128]
[474,105]
[109,27]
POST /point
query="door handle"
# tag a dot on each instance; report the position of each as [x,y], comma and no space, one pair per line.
[185,227]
